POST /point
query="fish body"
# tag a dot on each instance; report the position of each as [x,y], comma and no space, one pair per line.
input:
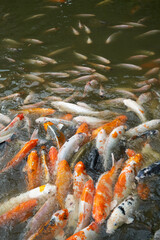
[108,127]
[55,121]
[20,155]
[42,111]
[122,214]
[93,122]
[88,233]
[124,184]
[53,153]
[111,144]
[44,172]
[150,171]
[36,193]
[135,107]
[104,194]
[150,125]
[71,146]
[63,181]
[85,205]
[128,66]
[53,227]
[100,141]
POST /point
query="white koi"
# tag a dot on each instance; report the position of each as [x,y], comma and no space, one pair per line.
[100,141]
[135,107]
[93,122]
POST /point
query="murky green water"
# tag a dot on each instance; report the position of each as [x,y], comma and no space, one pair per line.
[15,63]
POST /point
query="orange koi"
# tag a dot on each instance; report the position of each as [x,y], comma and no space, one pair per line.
[41,111]
[18,214]
[104,193]
[90,232]
[85,206]
[108,127]
[80,177]
[124,186]
[53,227]
[63,181]
[130,152]
[44,172]
[32,170]
[52,160]
[67,117]
[83,128]
[20,155]
[143,191]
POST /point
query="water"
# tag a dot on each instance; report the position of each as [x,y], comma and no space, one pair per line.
[15,25]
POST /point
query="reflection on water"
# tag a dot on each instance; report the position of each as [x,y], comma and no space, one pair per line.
[52,49]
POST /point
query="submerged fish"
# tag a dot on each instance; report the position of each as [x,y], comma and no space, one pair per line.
[150,171]
[135,107]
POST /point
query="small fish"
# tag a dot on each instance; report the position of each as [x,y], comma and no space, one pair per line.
[144,98]
[137,58]
[115,102]
[152,72]
[35,62]
[104,2]
[146,52]
[84,69]
[86,29]
[148,33]
[53,227]
[89,40]
[101,77]
[128,66]
[80,56]
[90,86]
[136,24]
[122,214]
[148,172]
[101,59]
[41,192]
[46,59]
[125,92]
[54,29]
[133,106]
[42,111]
[83,79]
[113,37]
[18,214]
[100,66]
[35,16]
[33,77]
[58,51]
[11,60]
[35,105]
[63,182]
[32,41]
[61,90]
[85,205]
[149,81]
[150,125]
[75,32]
[84,15]
[90,232]
[108,127]
[122,26]
[11,42]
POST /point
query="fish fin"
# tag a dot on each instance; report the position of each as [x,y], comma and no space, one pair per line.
[113,204]
[129,220]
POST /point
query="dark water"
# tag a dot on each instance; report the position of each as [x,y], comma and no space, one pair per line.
[13,65]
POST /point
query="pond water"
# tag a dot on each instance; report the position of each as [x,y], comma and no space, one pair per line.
[31,29]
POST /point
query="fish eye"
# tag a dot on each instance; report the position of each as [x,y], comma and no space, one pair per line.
[115,224]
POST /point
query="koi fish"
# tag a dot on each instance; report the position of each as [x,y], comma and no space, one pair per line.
[32,170]
[52,160]
[83,128]
[36,193]
[53,227]
[20,155]
[110,145]
[63,181]
[85,205]
[104,193]
[122,214]
[150,171]
[42,111]
[108,127]
[135,107]
[90,232]
[100,141]
[44,172]
[41,217]
[18,214]
[124,184]
[8,131]
[71,146]
[93,122]
[54,120]
[150,125]
[75,109]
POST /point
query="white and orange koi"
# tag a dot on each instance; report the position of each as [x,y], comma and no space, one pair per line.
[110,145]
[122,214]
[90,232]
[135,107]
[93,122]
[85,205]
[100,141]
[53,227]
[104,193]
[36,193]
[150,125]
[124,184]
[8,131]
[54,120]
